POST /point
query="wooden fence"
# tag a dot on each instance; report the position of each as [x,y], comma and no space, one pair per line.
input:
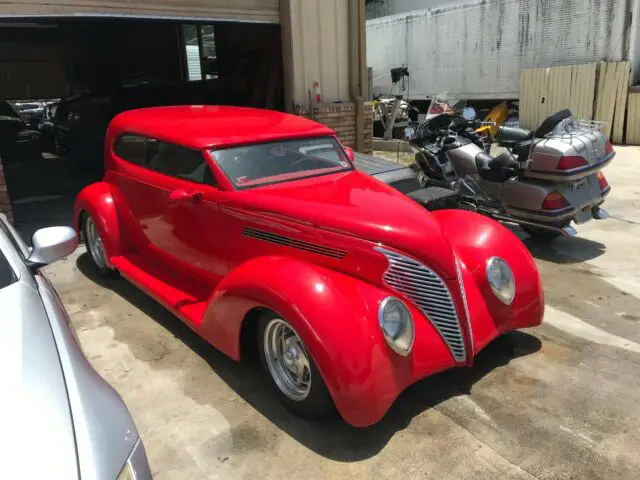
[592,91]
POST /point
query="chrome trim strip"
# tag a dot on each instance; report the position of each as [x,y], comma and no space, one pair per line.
[293,243]
[466,308]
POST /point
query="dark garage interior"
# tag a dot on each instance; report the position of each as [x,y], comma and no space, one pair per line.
[66,79]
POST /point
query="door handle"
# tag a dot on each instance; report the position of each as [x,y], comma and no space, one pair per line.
[180,195]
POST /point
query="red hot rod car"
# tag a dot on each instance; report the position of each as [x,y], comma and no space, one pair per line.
[254,224]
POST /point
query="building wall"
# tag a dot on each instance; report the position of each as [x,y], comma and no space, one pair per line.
[478,47]
[320,49]
[342,118]
[251,10]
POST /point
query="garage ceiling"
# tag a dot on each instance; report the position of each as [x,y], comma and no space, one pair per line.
[238,10]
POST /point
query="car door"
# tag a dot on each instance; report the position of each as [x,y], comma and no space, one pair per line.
[175,202]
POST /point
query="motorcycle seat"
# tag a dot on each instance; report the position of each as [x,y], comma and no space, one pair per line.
[522,149]
[496,169]
[550,123]
[513,134]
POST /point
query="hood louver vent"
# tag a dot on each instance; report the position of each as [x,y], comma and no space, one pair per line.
[293,243]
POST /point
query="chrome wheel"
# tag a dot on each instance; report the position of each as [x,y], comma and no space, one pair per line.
[287,360]
[94,243]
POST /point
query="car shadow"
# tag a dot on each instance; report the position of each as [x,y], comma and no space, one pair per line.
[562,250]
[331,437]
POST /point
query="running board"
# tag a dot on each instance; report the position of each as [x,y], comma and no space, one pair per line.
[566,231]
[140,271]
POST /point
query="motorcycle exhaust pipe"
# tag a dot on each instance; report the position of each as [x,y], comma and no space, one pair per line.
[566,231]
[599,213]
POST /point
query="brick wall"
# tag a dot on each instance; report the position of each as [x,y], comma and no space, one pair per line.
[5,203]
[342,118]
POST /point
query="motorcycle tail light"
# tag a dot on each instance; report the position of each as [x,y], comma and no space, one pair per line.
[437,108]
[608,148]
[569,163]
[602,181]
[554,201]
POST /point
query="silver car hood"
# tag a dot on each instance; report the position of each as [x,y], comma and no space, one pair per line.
[44,416]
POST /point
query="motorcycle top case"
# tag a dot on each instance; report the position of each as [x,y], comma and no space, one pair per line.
[571,151]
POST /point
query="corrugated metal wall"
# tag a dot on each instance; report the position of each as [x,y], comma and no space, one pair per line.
[245,10]
[478,48]
[320,48]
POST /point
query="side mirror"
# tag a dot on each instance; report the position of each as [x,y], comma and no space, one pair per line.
[51,244]
[469,113]
[350,153]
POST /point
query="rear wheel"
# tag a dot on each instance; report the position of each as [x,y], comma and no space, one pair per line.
[95,247]
[290,369]
[541,234]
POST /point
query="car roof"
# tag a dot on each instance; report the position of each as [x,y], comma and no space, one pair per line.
[206,126]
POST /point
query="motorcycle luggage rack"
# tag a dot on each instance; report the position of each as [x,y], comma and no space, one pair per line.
[571,128]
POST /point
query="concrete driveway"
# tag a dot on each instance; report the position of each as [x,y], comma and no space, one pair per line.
[558,402]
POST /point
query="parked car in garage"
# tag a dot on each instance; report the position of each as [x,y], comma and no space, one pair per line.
[254,228]
[46,125]
[80,122]
[18,143]
[71,420]
[78,126]
[31,112]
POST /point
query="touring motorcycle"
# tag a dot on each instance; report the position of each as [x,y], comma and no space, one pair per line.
[543,180]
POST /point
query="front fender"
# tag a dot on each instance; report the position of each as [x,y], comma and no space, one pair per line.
[476,239]
[98,200]
[336,317]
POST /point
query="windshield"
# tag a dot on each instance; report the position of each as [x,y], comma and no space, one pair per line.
[446,103]
[254,165]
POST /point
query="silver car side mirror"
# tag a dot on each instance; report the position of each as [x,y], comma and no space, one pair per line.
[51,244]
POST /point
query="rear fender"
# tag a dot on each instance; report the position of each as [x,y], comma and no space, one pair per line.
[476,239]
[331,312]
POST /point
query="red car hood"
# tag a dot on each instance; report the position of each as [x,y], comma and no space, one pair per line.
[356,204]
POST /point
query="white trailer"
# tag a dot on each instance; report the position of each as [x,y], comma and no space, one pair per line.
[476,48]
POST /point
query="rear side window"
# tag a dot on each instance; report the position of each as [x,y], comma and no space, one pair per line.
[131,148]
[177,161]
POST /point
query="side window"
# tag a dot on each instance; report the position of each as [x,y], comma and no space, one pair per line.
[177,161]
[131,148]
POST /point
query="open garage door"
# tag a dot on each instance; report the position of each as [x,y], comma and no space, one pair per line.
[230,10]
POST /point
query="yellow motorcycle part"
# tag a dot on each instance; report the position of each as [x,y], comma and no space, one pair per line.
[497,115]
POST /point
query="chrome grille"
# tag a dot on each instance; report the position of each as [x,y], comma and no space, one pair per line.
[427,290]
[293,243]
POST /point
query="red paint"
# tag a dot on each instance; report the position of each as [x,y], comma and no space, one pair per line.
[185,244]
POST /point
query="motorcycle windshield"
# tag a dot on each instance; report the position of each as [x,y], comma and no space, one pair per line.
[445,103]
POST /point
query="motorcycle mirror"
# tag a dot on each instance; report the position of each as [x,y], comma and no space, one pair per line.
[469,113]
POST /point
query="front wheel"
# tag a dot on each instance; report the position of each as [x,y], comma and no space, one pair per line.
[290,368]
[541,234]
[95,247]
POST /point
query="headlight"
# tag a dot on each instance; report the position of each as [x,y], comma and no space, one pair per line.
[396,324]
[501,279]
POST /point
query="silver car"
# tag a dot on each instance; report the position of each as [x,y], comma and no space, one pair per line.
[77,426]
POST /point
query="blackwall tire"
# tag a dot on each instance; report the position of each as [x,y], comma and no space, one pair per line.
[305,394]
